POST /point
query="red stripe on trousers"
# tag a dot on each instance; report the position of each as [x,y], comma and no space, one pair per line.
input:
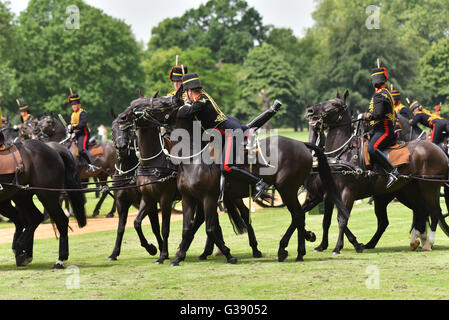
[433,131]
[85,139]
[228,140]
[387,131]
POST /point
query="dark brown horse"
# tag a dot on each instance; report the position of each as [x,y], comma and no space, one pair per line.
[413,189]
[41,180]
[199,184]
[48,128]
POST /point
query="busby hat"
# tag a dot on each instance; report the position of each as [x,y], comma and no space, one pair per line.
[396,96]
[24,107]
[177,72]
[414,105]
[74,99]
[191,81]
[379,75]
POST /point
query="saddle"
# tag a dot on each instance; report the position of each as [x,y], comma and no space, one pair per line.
[10,160]
[398,154]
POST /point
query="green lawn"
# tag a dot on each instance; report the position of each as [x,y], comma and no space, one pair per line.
[402,274]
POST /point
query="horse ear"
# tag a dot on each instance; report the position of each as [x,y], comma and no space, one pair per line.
[155,95]
[338,94]
[306,103]
[179,93]
[346,95]
[140,93]
[112,113]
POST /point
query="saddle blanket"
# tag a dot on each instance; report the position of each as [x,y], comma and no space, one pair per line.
[10,160]
[397,154]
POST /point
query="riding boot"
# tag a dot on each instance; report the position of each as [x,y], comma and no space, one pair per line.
[88,157]
[260,186]
[265,116]
[382,160]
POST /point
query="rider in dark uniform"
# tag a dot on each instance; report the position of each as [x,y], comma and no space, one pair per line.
[25,115]
[204,109]
[433,121]
[79,126]
[381,117]
[399,108]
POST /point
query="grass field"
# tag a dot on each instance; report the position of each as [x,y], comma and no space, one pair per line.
[391,271]
[402,274]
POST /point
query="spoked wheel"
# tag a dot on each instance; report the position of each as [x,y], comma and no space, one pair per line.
[444,219]
[274,202]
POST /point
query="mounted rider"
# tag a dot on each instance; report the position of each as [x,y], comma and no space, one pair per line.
[399,108]
[381,117]
[79,126]
[25,115]
[433,121]
[204,109]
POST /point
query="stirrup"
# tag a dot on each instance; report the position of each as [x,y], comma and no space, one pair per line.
[261,187]
[222,187]
[92,168]
[393,176]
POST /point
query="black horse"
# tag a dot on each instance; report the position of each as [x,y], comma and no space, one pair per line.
[418,193]
[47,128]
[44,181]
[199,184]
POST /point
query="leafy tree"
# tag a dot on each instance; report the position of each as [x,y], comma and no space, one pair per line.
[100,60]
[218,79]
[9,86]
[266,69]
[229,28]
[433,80]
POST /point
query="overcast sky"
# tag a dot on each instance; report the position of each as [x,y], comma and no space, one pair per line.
[143,15]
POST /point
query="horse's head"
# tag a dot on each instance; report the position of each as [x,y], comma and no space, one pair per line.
[10,135]
[332,111]
[123,133]
[156,112]
[313,114]
[27,129]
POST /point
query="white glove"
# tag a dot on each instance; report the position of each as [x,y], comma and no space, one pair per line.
[69,128]
[360,116]
[15,127]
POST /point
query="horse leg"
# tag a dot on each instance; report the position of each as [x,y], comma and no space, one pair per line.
[122,208]
[327,219]
[348,201]
[113,209]
[10,212]
[50,201]
[290,198]
[380,209]
[151,249]
[213,226]
[245,214]
[431,194]
[188,211]
[166,206]
[32,217]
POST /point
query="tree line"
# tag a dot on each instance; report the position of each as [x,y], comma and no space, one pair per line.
[242,63]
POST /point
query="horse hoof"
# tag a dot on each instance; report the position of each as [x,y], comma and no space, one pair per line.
[58,266]
[359,248]
[174,264]
[310,236]
[96,213]
[203,257]
[21,260]
[159,261]
[151,249]
[334,253]
[257,254]
[300,259]
[110,215]
[111,258]
[232,260]
[282,255]
[414,245]
[427,248]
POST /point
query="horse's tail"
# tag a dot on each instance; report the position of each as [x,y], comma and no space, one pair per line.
[327,180]
[236,219]
[72,181]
